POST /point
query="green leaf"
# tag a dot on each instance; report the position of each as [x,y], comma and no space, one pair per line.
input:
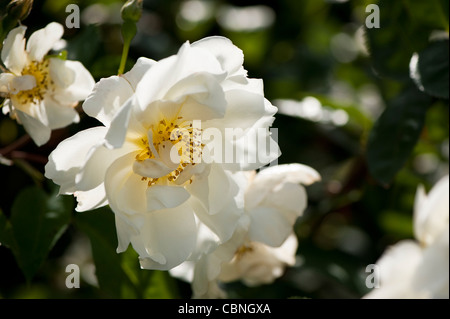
[6,238]
[431,73]
[99,226]
[395,222]
[62,55]
[395,134]
[149,284]
[402,32]
[431,13]
[37,222]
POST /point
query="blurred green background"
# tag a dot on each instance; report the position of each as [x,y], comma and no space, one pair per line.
[332,80]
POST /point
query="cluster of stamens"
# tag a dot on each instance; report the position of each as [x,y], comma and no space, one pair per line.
[40,71]
[182,135]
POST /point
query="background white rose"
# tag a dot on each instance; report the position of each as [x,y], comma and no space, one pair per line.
[263,243]
[41,91]
[420,268]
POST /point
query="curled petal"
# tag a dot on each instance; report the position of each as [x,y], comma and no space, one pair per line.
[160,78]
[92,199]
[169,238]
[68,157]
[136,73]
[162,197]
[107,97]
[82,84]
[43,40]
[229,56]
[13,52]
[119,125]
[275,176]
[201,95]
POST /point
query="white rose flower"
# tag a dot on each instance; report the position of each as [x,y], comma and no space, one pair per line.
[256,263]
[41,92]
[147,163]
[419,268]
[263,243]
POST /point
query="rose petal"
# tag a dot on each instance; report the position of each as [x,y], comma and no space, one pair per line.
[229,56]
[82,84]
[98,162]
[272,177]
[136,73]
[431,212]
[432,276]
[162,197]
[170,234]
[68,157]
[22,83]
[14,56]
[89,200]
[60,72]
[39,132]
[43,40]
[161,77]
[153,168]
[107,97]
[58,115]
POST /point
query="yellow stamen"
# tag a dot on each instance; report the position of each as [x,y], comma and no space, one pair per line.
[175,131]
[40,71]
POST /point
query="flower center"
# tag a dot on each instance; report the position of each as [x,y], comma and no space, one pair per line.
[175,136]
[40,71]
[243,250]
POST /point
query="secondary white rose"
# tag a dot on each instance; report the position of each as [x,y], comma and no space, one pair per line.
[255,263]
[41,92]
[419,268]
[146,161]
[263,243]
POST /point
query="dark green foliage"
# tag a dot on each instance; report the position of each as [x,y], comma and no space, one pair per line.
[36,223]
